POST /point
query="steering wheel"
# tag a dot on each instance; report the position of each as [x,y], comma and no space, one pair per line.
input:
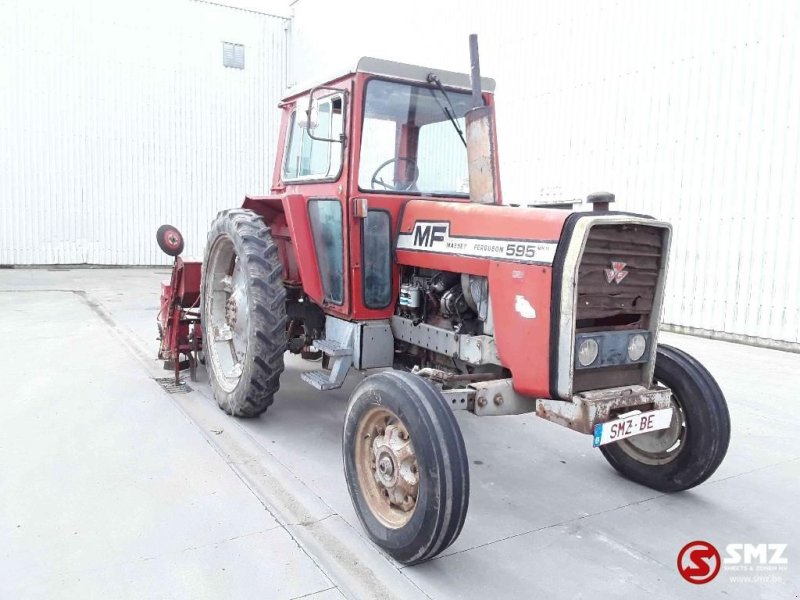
[398,186]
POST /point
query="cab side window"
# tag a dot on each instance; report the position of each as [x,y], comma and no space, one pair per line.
[310,159]
[325,216]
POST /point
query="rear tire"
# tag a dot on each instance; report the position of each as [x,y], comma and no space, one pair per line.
[701,423]
[406,466]
[243,313]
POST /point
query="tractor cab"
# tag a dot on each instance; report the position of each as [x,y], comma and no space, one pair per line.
[384,128]
[351,153]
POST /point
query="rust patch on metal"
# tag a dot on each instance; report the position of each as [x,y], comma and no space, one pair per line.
[587,409]
[480,155]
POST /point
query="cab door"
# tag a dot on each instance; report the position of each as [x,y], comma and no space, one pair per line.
[374,216]
[314,175]
[405,146]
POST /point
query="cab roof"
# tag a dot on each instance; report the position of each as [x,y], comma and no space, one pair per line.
[394,70]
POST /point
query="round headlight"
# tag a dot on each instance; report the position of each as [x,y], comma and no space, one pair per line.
[636,346]
[587,352]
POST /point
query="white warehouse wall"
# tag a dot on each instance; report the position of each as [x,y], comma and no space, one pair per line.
[116,117]
[688,110]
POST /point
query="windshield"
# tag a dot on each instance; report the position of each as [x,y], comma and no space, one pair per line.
[408,142]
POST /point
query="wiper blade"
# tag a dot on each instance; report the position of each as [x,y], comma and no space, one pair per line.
[451,112]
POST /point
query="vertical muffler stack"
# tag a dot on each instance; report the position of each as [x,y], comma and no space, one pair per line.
[481,150]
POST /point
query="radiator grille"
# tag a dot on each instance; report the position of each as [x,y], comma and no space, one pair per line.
[608,300]
[618,277]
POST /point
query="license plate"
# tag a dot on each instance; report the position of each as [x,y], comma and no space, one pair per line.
[619,429]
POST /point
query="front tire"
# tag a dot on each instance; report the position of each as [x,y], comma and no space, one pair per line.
[691,449]
[243,313]
[406,466]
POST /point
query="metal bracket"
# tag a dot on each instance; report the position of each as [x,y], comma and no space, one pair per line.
[497,397]
[589,408]
[459,399]
[473,349]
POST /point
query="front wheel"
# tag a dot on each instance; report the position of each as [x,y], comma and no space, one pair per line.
[693,446]
[406,466]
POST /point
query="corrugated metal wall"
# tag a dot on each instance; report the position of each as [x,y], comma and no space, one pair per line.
[116,117]
[686,109]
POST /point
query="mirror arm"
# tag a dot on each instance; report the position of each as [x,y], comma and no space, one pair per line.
[344,108]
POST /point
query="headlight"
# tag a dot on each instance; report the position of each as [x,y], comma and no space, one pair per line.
[587,352]
[636,346]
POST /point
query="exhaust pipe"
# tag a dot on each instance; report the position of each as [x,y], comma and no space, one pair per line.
[481,152]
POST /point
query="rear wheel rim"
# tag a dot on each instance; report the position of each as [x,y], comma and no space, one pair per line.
[659,447]
[386,466]
[227,312]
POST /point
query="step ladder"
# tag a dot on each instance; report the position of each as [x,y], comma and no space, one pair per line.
[341,360]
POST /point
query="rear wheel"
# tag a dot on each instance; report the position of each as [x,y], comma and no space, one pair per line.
[243,313]
[693,446]
[406,466]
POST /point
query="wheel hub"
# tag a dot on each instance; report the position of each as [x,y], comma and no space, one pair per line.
[659,447]
[396,466]
[227,314]
[230,312]
[387,467]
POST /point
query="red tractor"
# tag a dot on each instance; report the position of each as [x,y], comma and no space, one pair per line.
[384,245]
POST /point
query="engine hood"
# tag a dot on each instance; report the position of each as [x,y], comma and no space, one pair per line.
[479,231]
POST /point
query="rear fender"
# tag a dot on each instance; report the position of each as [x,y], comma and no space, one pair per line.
[287,217]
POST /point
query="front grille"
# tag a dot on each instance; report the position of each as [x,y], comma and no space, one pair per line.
[604,305]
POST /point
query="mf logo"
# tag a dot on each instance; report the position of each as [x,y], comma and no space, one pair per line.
[426,235]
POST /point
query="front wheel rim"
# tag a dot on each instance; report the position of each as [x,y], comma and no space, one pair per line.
[227,313]
[659,447]
[386,466]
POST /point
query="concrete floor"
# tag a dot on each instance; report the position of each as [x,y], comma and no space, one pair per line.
[109,487]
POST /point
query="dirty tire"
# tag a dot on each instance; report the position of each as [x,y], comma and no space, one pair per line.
[261,368]
[443,469]
[705,436]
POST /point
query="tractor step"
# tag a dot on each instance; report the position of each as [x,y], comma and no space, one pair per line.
[332,348]
[320,379]
[341,361]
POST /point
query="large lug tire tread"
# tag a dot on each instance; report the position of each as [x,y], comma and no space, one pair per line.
[266,294]
[443,466]
[708,427]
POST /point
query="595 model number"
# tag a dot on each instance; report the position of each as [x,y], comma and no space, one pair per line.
[520,250]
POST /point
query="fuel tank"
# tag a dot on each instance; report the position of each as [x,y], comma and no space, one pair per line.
[514,248]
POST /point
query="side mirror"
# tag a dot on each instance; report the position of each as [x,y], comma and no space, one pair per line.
[309,118]
[330,105]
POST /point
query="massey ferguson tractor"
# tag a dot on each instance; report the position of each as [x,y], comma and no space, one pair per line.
[385,248]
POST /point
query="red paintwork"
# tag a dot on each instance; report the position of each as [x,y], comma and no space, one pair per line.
[286,211]
[175,325]
[514,336]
